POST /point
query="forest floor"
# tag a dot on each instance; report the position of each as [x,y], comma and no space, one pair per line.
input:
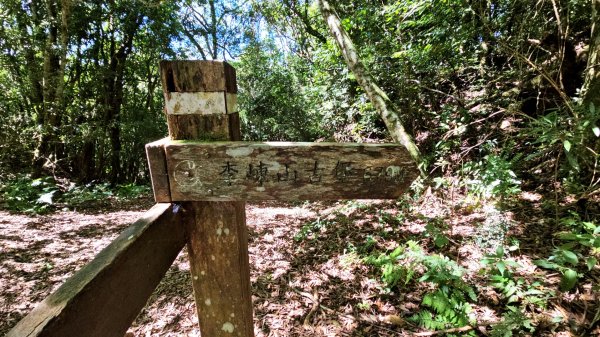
[308,271]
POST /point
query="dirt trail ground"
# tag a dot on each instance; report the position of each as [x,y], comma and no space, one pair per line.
[307,277]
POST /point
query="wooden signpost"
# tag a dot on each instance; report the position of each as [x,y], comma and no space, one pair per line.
[217,234]
[205,167]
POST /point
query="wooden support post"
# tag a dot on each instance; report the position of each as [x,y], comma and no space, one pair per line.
[200,105]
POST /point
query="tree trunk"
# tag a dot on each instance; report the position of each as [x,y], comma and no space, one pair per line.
[114,83]
[591,86]
[387,109]
[55,57]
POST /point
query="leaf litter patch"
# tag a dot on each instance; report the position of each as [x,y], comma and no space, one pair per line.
[308,267]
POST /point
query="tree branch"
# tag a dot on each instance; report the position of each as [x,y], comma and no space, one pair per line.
[192,39]
[388,111]
[307,25]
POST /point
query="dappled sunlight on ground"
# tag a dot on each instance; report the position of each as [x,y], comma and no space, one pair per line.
[309,273]
[38,253]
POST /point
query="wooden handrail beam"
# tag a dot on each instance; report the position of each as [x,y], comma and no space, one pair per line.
[106,295]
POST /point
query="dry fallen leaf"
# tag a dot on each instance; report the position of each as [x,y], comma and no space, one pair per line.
[394,320]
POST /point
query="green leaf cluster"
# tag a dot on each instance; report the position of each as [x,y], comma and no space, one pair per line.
[446,306]
[26,195]
[579,252]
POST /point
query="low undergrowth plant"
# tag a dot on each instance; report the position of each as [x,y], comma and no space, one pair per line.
[514,290]
[492,176]
[570,139]
[312,229]
[397,268]
[132,191]
[517,293]
[78,195]
[578,252]
[436,230]
[448,305]
[514,323]
[24,194]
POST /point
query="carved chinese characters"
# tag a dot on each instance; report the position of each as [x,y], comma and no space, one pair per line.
[288,171]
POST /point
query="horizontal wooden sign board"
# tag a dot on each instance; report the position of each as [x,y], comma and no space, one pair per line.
[219,171]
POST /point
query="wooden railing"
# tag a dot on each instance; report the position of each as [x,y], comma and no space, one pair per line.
[104,297]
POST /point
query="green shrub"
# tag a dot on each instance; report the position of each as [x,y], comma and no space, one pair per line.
[578,253]
[446,306]
[23,194]
[493,176]
[26,195]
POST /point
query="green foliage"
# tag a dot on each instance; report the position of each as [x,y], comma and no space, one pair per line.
[572,137]
[79,195]
[84,92]
[435,229]
[27,195]
[491,177]
[23,194]
[519,291]
[275,102]
[312,229]
[514,323]
[518,294]
[498,264]
[584,237]
[448,305]
[579,252]
[396,268]
[449,308]
[132,191]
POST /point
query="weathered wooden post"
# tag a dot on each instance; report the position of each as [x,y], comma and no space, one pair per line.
[201,105]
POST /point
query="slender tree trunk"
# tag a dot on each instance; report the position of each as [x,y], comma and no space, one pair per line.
[55,57]
[387,109]
[115,83]
[591,87]
[34,95]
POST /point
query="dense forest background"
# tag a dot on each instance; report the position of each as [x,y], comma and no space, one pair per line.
[497,100]
[487,88]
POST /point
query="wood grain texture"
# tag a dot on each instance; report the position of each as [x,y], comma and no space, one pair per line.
[235,133]
[105,296]
[287,171]
[218,241]
[218,249]
[197,76]
[157,163]
[206,127]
